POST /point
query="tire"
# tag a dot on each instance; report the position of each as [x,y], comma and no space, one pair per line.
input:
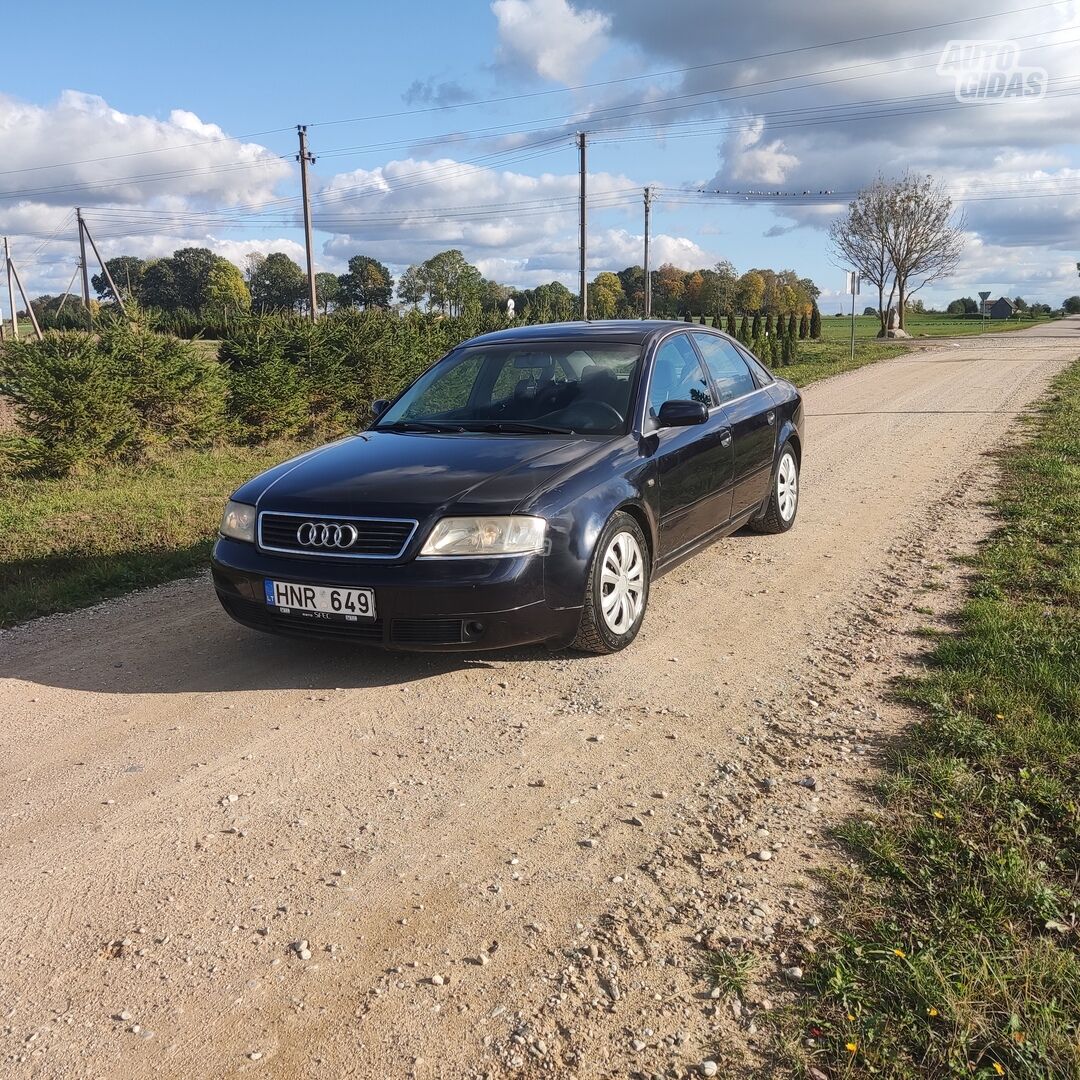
[614,609]
[784,499]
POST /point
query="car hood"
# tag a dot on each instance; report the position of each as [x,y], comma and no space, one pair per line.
[415,475]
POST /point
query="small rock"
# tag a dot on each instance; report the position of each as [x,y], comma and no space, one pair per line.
[708,1068]
[437,980]
[813,922]
[795,973]
[763,856]
[635,820]
[589,843]
[255,1055]
[637,1045]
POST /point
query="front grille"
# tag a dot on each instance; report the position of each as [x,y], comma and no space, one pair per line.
[427,631]
[377,538]
[263,617]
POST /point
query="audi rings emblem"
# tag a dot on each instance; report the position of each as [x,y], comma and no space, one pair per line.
[322,534]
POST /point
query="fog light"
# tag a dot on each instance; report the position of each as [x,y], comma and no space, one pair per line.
[474,628]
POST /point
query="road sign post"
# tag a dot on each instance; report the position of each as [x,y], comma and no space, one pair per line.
[853,288]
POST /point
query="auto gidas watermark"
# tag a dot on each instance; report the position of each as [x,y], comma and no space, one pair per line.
[988,70]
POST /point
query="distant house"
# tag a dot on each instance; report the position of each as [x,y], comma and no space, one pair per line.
[1001,308]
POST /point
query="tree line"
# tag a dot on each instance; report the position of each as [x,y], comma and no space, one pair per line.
[198,291]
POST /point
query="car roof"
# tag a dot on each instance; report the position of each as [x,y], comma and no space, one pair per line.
[632,331]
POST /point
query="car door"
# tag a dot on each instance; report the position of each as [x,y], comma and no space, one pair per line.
[751,415]
[694,466]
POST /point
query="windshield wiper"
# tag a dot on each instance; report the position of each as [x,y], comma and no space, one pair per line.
[418,425]
[515,427]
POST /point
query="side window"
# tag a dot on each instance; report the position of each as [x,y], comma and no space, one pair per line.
[761,372]
[677,376]
[729,370]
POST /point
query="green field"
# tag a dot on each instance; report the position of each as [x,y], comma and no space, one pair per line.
[66,543]
[956,946]
[919,326]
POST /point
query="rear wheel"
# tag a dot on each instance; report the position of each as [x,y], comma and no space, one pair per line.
[617,590]
[784,500]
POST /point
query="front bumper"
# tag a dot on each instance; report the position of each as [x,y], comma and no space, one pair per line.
[424,605]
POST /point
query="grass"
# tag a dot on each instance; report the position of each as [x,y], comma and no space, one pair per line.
[919,326]
[957,947]
[66,543]
[728,972]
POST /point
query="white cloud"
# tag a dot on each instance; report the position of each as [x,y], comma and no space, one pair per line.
[554,40]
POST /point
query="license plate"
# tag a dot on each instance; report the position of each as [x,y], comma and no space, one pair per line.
[352,605]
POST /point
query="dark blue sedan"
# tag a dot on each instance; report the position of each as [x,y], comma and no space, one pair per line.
[528,487]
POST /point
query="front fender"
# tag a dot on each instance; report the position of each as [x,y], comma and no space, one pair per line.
[575,523]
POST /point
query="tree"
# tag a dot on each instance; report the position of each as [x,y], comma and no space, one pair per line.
[226,290]
[1071,306]
[277,283]
[605,295]
[451,281]
[750,292]
[815,323]
[368,283]
[191,269]
[412,286]
[327,290]
[632,280]
[159,287]
[127,272]
[860,241]
[669,286]
[870,310]
[804,326]
[1019,303]
[900,230]
[792,325]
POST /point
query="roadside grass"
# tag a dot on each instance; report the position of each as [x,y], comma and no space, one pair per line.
[956,950]
[66,543]
[821,359]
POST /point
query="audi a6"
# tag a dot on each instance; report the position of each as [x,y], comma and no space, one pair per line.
[528,487]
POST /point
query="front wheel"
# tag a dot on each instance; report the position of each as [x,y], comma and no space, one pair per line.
[784,498]
[617,590]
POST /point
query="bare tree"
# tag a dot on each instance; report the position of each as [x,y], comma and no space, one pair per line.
[860,241]
[924,240]
[901,234]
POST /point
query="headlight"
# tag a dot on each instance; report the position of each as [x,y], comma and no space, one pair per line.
[513,535]
[238,522]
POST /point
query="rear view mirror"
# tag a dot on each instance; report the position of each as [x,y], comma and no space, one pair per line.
[378,407]
[682,413]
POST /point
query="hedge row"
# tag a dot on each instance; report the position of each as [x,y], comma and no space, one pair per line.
[87,399]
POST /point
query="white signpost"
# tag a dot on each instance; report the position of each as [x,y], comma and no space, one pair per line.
[852,286]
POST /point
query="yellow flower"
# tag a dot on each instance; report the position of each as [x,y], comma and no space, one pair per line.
[931,1011]
[900,953]
[939,815]
[852,1047]
[850,1016]
[1000,716]
[999,1069]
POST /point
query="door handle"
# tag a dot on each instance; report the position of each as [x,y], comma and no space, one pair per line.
[725,437]
[771,417]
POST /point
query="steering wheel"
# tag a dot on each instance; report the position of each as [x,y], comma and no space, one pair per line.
[598,415]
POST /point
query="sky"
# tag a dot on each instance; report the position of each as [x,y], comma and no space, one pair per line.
[440,125]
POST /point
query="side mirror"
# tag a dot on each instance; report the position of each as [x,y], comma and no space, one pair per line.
[682,413]
[378,407]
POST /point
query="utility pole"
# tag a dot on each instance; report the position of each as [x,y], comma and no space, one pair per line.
[648,277]
[11,291]
[584,287]
[305,158]
[85,269]
[25,299]
[104,269]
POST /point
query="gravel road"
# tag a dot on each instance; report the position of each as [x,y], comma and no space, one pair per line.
[227,854]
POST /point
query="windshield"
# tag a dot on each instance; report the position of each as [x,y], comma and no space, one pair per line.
[541,387]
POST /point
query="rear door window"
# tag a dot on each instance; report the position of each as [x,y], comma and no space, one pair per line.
[729,370]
